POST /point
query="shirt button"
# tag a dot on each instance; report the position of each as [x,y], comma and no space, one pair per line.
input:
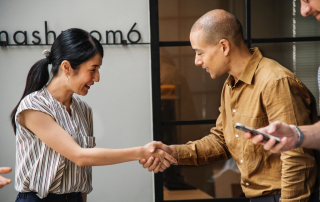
[237,135]
[247,184]
[241,161]
[234,111]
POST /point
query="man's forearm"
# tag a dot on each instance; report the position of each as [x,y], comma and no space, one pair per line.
[311,136]
[298,177]
[203,151]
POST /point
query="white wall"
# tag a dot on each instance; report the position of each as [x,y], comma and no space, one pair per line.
[121,101]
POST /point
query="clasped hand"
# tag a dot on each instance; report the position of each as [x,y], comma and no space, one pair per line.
[160,156]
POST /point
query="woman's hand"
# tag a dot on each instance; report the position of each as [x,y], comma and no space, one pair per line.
[160,156]
[156,149]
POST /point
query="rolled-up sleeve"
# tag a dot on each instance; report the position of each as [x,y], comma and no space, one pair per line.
[209,149]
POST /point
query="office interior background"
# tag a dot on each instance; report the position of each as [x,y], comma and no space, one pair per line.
[150,88]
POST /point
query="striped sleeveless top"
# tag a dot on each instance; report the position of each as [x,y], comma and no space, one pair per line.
[38,167]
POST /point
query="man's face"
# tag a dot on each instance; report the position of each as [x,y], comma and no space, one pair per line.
[210,57]
[310,7]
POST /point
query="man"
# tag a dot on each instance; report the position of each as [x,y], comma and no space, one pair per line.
[4,181]
[256,93]
[310,7]
[309,135]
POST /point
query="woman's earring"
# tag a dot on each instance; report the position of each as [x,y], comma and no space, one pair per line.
[67,77]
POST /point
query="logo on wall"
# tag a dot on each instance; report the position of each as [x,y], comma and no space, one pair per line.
[112,37]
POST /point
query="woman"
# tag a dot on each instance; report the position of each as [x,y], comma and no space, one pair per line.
[54,132]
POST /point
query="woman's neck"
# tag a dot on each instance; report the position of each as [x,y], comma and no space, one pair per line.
[60,91]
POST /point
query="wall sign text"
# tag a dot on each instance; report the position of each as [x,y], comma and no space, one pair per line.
[111,37]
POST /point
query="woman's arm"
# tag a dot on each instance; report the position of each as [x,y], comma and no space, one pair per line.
[53,135]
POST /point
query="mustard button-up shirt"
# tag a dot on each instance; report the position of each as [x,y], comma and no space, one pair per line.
[265,92]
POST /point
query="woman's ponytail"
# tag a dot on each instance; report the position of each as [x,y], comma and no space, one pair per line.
[38,77]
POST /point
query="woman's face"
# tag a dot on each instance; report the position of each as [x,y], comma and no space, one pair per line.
[82,79]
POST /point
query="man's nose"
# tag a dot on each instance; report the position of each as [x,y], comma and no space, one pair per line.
[305,9]
[197,61]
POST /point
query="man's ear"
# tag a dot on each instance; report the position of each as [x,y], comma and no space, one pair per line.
[66,67]
[225,46]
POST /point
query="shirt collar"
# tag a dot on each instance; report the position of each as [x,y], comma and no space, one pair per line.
[249,70]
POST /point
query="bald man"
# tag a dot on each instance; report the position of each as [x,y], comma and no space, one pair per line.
[257,92]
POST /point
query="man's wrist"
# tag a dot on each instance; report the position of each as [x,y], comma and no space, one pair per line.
[297,136]
[174,153]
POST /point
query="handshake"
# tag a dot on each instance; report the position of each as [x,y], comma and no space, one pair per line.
[158,156]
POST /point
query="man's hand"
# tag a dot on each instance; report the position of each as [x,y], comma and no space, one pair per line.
[4,181]
[153,163]
[288,135]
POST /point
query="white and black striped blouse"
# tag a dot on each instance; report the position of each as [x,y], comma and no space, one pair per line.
[41,169]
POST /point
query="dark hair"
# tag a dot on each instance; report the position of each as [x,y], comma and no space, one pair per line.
[74,45]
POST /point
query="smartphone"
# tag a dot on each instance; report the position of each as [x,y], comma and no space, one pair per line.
[254,132]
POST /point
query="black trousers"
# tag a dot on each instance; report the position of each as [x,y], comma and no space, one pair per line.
[32,197]
[268,198]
